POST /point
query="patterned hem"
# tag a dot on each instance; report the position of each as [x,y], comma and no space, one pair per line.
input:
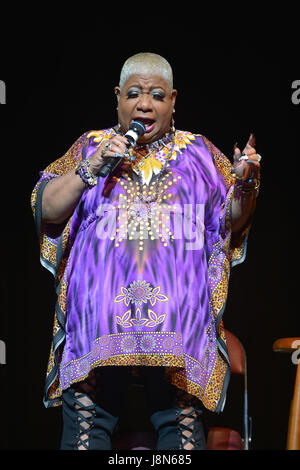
[177,373]
[151,349]
[137,348]
[213,395]
[167,360]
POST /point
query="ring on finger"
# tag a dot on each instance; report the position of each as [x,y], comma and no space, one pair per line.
[108,146]
[259,157]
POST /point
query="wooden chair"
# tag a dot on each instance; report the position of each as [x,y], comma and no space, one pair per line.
[292,346]
[223,438]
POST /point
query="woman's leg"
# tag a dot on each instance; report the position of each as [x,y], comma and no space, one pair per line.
[175,414]
[91,409]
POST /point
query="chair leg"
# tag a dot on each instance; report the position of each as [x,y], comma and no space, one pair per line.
[293,439]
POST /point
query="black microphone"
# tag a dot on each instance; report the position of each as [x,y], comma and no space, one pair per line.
[136,130]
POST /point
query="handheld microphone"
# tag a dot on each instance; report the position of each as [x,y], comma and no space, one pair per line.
[136,130]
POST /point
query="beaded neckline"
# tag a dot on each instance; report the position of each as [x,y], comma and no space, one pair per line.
[150,159]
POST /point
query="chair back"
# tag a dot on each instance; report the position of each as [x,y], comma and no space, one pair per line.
[236,353]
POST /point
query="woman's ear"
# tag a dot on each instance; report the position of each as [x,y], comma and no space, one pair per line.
[117,92]
[173,97]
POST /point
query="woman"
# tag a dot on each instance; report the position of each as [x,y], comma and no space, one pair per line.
[142,260]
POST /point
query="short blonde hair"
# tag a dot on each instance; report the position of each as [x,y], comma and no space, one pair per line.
[146,62]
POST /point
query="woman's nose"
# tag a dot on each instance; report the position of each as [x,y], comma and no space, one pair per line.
[144,103]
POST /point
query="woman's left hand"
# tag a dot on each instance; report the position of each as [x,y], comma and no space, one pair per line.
[246,164]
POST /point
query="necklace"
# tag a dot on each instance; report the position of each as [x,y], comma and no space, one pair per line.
[149,159]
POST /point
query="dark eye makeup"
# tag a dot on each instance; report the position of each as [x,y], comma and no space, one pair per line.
[158,95]
[134,93]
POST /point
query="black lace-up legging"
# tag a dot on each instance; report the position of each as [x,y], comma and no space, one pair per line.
[91,410]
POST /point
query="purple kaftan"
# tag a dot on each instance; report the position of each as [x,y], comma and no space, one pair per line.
[143,277]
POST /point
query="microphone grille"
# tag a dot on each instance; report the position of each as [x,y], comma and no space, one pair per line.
[138,127]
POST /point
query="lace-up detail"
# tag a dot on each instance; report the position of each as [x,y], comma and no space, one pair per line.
[180,427]
[85,408]
[188,421]
[189,428]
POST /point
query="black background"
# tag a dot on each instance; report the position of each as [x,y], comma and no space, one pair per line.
[59,84]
